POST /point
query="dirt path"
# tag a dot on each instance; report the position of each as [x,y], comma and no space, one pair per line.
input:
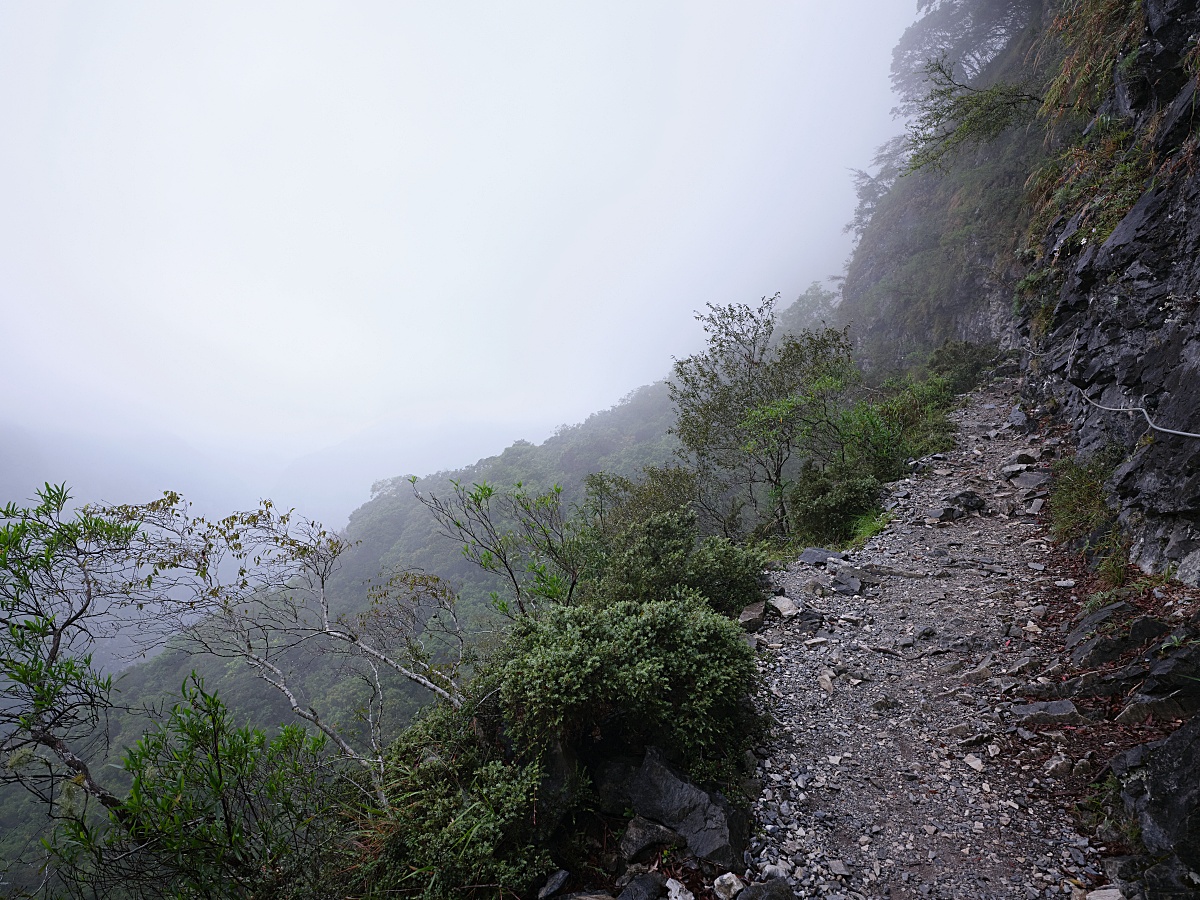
[910,763]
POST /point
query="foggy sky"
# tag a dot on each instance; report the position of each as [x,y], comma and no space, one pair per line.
[272,233]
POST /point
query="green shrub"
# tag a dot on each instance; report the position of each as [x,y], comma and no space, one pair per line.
[669,672]
[726,574]
[478,793]
[463,820]
[827,504]
[661,553]
[868,525]
[209,803]
[961,364]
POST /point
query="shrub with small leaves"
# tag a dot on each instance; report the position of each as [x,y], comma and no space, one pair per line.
[669,672]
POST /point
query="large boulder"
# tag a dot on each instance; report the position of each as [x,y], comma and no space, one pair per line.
[1164,793]
[713,829]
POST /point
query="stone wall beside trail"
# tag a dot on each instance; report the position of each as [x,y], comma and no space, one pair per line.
[1126,328]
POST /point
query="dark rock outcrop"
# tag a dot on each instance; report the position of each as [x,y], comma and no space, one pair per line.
[713,829]
[1125,331]
[1162,790]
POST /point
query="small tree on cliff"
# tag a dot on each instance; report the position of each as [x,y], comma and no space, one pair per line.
[751,409]
[250,587]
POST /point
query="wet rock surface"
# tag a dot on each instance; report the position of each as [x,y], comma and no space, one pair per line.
[1124,328]
[935,734]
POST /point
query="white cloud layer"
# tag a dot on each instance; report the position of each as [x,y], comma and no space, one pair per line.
[263,229]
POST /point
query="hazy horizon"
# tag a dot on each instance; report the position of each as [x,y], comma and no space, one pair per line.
[262,248]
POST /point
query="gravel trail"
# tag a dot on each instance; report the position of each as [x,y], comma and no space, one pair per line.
[909,761]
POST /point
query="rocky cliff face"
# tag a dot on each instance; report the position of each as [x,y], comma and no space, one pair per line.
[1125,332]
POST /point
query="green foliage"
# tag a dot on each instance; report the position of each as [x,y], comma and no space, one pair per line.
[835,492]
[661,553]
[477,793]
[1091,37]
[827,504]
[527,538]
[63,579]
[868,526]
[1094,181]
[954,115]
[1080,514]
[890,162]
[747,408]
[935,243]
[1103,813]
[961,364]
[212,810]
[669,672]
[463,821]
[614,504]
[812,308]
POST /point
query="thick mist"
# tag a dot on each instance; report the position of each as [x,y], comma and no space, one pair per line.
[289,249]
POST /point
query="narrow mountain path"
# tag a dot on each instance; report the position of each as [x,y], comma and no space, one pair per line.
[909,760]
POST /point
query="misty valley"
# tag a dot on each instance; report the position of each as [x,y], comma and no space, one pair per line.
[917,546]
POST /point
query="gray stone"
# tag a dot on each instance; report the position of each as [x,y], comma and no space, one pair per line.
[807,621]
[643,837]
[978,675]
[785,606]
[712,828]
[967,500]
[1093,621]
[816,556]
[1147,628]
[554,884]
[647,886]
[775,889]
[1105,648]
[752,616]
[1053,712]
[728,886]
[847,585]
[1031,481]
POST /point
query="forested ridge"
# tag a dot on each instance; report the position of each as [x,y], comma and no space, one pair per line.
[429,703]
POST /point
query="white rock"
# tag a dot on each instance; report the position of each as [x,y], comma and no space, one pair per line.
[676,891]
[974,762]
[1108,893]
[728,886]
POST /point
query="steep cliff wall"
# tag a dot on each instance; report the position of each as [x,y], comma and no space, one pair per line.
[1125,330]
[1074,235]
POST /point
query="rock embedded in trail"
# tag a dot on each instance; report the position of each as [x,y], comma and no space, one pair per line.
[1054,712]
[775,889]
[816,556]
[752,616]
